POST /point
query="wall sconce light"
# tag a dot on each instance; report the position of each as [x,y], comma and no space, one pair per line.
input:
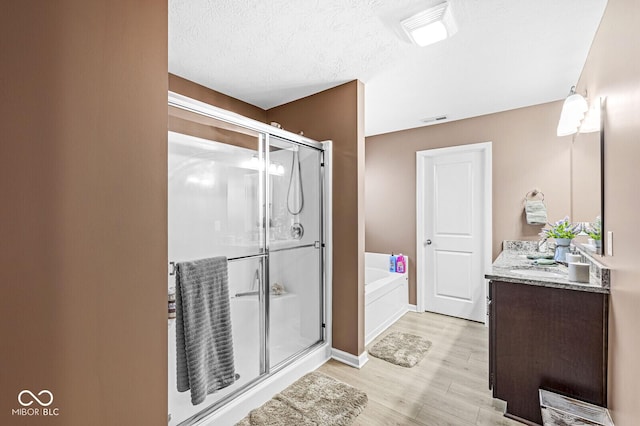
[591,122]
[430,25]
[572,113]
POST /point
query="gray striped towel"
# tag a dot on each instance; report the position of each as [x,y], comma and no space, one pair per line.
[203,328]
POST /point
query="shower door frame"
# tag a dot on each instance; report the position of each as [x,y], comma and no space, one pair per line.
[266,131]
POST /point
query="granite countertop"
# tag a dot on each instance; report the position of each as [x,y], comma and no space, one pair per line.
[514,257]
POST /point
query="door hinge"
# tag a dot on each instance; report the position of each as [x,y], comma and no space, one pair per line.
[324,325]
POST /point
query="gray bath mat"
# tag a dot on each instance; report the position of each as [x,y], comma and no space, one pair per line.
[402,349]
[315,399]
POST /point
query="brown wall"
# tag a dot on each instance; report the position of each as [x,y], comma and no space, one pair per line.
[83,214]
[193,90]
[338,114]
[527,154]
[612,70]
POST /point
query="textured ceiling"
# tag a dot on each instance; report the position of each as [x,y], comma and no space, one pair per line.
[506,54]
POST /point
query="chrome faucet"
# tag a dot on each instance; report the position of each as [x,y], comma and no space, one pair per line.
[541,243]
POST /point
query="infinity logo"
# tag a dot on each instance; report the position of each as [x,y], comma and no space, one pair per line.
[26,404]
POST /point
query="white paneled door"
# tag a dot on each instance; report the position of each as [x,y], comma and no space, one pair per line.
[453,229]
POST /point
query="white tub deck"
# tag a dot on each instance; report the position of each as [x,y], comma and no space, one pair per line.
[386,295]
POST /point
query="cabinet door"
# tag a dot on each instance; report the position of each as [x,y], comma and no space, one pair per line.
[547,338]
[492,341]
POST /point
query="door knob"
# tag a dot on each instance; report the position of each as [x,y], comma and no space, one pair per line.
[427,243]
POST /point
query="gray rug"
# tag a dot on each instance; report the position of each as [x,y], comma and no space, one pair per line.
[402,349]
[315,399]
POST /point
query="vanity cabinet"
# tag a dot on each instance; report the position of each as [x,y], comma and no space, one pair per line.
[549,338]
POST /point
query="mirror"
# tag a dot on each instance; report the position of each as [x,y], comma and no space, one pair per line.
[587,185]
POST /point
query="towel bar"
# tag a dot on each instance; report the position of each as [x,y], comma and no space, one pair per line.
[172,265]
[316,244]
[534,193]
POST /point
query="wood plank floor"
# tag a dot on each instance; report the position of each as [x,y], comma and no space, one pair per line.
[448,387]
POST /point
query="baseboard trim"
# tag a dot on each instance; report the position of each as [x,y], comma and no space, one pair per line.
[350,359]
[412,308]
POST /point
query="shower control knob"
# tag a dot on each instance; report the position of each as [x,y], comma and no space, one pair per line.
[427,243]
[297,231]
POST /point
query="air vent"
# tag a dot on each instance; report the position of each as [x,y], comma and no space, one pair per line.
[433,119]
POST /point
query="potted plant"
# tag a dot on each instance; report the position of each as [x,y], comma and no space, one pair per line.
[594,231]
[563,232]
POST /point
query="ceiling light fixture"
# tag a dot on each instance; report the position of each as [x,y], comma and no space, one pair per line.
[431,25]
[572,113]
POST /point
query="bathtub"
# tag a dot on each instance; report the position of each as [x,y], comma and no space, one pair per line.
[386,295]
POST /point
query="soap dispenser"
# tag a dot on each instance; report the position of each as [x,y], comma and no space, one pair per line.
[392,262]
[401,264]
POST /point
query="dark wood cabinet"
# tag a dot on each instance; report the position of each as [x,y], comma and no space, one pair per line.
[549,338]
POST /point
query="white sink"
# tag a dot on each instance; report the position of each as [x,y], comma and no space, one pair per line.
[537,273]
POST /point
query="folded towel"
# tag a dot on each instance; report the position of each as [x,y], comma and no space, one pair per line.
[536,212]
[544,262]
[203,328]
[539,256]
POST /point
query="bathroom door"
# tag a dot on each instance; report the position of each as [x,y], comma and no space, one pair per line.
[452,257]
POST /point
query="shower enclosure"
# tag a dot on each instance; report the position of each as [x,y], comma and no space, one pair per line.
[241,189]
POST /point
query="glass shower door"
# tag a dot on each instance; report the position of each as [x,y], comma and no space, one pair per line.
[295,252]
[235,190]
[216,207]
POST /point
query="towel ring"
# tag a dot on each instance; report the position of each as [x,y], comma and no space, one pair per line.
[534,193]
